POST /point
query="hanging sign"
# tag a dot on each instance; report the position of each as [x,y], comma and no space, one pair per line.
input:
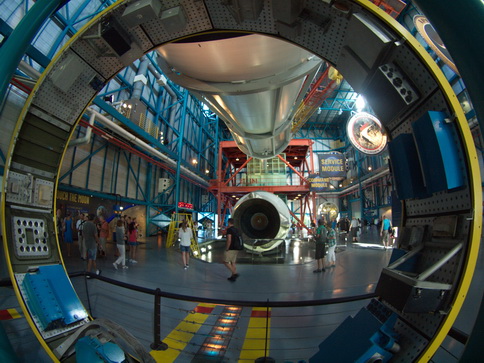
[318,183]
[332,165]
[366,133]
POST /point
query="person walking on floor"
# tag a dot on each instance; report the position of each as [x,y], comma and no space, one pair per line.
[331,246]
[230,254]
[120,244]
[103,232]
[354,229]
[89,232]
[132,240]
[80,239]
[67,228]
[185,234]
[385,230]
[321,240]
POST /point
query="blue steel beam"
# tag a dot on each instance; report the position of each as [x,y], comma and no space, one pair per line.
[180,150]
[135,176]
[87,158]
[69,28]
[17,43]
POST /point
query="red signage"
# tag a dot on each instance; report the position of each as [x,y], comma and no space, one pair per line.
[184,205]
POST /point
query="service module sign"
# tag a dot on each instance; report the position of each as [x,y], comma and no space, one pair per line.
[332,165]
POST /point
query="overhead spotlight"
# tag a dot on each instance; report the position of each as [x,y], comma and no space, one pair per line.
[341,185]
[121,208]
[369,168]
[237,159]
[207,171]
[194,162]
[233,196]
[295,158]
[125,105]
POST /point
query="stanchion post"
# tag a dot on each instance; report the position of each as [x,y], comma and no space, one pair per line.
[265,358]
[157,343]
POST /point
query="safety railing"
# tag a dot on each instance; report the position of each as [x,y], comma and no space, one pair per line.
[200,327]
[192,326]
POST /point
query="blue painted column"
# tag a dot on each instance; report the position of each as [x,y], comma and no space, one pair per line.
[181,139]
[459,24]
[15,46]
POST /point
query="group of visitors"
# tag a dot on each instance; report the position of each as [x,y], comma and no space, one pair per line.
[185,235]
[93,234]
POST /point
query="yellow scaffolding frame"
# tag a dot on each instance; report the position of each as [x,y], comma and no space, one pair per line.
[176,219]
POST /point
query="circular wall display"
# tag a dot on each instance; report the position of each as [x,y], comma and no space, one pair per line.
[429,34]
[366,133]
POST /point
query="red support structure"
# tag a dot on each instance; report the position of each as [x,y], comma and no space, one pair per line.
[233,160]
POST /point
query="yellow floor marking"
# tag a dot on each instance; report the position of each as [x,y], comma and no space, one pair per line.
[254,343]
[178,339]
[14,313]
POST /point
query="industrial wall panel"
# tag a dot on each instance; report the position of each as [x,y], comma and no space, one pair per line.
[80,174]
[438,203]
[325,34]
[109,155]
[94,52]
[133,181]
[222,18]
[96,169]
[197,21]
[53,99]
[121,175]
[422,80]
[142,179]
[411,342]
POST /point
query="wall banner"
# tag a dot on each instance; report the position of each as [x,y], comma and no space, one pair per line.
[332,165]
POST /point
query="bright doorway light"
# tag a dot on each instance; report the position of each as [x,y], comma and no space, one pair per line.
[360,103]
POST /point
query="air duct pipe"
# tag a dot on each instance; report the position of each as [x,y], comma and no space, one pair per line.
[122,132]
[262,217]
[252,82]
[86,139]
[140,75]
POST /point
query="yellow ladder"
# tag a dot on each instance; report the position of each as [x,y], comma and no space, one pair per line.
[176,219]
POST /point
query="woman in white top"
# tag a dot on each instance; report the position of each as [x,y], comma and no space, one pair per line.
[185,234]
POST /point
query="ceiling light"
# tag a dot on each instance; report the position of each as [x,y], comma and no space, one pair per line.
[194,161]
[237,159]
[369,168]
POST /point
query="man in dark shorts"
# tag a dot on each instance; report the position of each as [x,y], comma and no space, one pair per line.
[91,239]
[230,254]
[321,239]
